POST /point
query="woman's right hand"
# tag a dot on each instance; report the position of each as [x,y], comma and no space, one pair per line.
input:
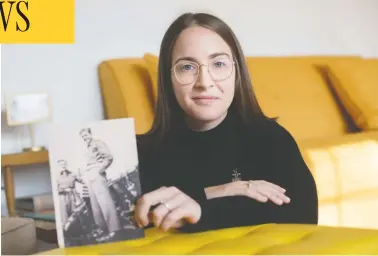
[259,190]
[173,209]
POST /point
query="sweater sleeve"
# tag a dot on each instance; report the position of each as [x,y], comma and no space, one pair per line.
[292,173]
[146,163]
[285,167]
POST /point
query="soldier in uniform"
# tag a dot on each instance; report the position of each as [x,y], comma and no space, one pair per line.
[66,189]
[99,158]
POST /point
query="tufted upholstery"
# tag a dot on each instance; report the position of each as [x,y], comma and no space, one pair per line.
[264,239]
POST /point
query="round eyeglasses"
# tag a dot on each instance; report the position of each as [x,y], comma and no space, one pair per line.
[186,72]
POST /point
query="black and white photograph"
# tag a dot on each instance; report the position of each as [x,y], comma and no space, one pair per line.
[95,181]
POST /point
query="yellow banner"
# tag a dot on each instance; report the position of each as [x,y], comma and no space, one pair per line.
[37,21]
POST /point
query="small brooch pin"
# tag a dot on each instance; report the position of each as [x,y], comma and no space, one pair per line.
[236,175]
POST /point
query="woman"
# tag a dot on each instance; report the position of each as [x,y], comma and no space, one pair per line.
[212,158]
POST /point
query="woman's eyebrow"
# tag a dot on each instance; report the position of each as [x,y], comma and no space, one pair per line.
[214,55]
[185,58]
[211,56]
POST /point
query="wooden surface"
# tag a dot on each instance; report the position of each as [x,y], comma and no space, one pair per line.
[24,158]
[18,159]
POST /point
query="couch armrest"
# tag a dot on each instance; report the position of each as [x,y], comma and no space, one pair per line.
[346,172]
[343,166]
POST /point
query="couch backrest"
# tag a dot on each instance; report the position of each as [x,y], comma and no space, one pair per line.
[126,91]
[289,88]
[294,90]
[356,84]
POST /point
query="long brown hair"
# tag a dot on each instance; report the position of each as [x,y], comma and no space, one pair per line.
[168,113]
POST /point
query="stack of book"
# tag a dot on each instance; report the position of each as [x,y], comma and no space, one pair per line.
[37,207]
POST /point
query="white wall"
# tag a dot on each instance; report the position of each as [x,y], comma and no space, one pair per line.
[120,28]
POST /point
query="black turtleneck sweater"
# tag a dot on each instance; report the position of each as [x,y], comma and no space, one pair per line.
[193,160]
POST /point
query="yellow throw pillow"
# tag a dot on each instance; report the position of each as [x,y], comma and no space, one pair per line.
[152,63]
[293,90]
[356,84]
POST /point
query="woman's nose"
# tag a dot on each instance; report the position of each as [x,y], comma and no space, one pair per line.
[204,79]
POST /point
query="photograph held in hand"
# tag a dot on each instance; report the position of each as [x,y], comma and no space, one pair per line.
[95,182]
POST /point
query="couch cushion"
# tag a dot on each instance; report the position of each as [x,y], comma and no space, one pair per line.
[293,90]
[356,84]
[269,239]
[18,236]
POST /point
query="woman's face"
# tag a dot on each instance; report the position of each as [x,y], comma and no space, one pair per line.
[203,75]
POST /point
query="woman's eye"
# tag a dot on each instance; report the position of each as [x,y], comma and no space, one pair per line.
[218,64]
[187,67]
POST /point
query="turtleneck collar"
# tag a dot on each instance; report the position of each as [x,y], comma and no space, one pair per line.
[222,129]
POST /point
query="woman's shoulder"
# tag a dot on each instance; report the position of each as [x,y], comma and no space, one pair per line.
[144,145]
[271,132]
[149,146]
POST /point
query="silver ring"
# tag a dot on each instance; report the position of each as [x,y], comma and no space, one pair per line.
[166,206]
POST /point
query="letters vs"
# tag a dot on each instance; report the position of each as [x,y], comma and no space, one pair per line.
[11,5]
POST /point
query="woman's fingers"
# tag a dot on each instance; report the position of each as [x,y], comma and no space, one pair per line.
[283,197]
[273,195]
[263,191]
[255,194]
[166,200]
[173,210]
[178,224]
[273,192]
[148,200]
[158,214]
[172,217]
[188,211]
[273,186]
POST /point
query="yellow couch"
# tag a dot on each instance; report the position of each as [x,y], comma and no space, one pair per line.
[344,163]
[270,239]
[336,130]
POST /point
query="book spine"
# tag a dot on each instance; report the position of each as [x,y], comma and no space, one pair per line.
[42,203]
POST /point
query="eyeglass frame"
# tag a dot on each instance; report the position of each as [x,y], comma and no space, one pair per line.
[208,71]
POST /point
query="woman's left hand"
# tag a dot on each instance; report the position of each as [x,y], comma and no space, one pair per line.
[260,190]
[173,209]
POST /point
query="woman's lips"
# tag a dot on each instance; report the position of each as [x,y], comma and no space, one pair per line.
[204,100]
